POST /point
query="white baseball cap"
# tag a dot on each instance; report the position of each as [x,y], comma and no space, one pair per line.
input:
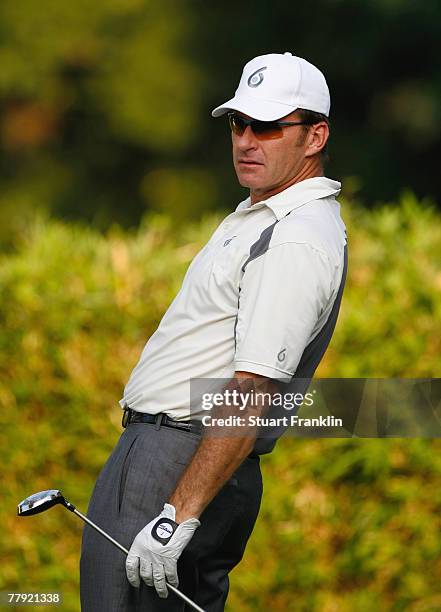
[274,85]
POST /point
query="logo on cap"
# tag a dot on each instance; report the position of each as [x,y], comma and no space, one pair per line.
[255,79]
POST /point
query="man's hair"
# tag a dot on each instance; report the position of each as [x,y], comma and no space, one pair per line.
[312,117]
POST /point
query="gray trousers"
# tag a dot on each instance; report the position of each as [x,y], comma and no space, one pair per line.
[138,477]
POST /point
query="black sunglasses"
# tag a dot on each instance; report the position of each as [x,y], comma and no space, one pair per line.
[262,129]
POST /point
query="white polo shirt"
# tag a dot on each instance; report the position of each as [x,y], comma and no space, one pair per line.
[252,299]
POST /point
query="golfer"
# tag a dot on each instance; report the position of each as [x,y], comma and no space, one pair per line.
[257,308]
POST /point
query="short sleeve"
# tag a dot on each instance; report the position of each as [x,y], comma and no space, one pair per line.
[283,294]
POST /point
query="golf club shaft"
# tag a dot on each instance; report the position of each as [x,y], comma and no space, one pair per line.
[106,535]
[124,550]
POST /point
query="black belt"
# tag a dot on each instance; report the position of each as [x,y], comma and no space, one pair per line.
[161,419]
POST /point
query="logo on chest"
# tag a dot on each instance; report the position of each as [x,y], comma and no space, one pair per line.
[227,242]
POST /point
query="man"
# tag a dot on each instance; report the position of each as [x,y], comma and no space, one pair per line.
[257,306]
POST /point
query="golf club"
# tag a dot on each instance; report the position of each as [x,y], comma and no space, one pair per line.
[39,502]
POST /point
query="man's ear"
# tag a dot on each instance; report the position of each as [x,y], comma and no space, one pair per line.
[317,138]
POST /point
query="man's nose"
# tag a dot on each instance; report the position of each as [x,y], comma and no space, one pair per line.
[247,140]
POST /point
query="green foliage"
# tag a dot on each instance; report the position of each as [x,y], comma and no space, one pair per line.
[345,524]
[93,97]
[97,98]
[392,299]
[129,52]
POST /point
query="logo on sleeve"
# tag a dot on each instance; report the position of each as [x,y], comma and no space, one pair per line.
[255,79]
[281,355]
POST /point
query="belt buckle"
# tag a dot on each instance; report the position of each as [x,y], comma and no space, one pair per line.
[126,416]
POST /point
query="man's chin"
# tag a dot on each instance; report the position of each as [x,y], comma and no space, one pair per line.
[247,181]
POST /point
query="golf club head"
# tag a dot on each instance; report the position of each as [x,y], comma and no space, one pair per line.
[39,502]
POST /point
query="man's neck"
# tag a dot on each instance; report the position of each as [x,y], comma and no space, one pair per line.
[307,171]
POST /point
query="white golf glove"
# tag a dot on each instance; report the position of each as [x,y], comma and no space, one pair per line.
[156,549]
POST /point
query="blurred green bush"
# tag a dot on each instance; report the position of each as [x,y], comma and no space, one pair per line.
[345,524]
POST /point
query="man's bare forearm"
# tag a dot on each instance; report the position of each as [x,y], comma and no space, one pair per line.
[213,463]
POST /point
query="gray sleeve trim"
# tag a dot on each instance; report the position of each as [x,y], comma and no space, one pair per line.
[261,245]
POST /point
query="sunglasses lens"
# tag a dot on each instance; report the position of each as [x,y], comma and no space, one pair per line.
[237,124]
[264,130]
[267,129]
